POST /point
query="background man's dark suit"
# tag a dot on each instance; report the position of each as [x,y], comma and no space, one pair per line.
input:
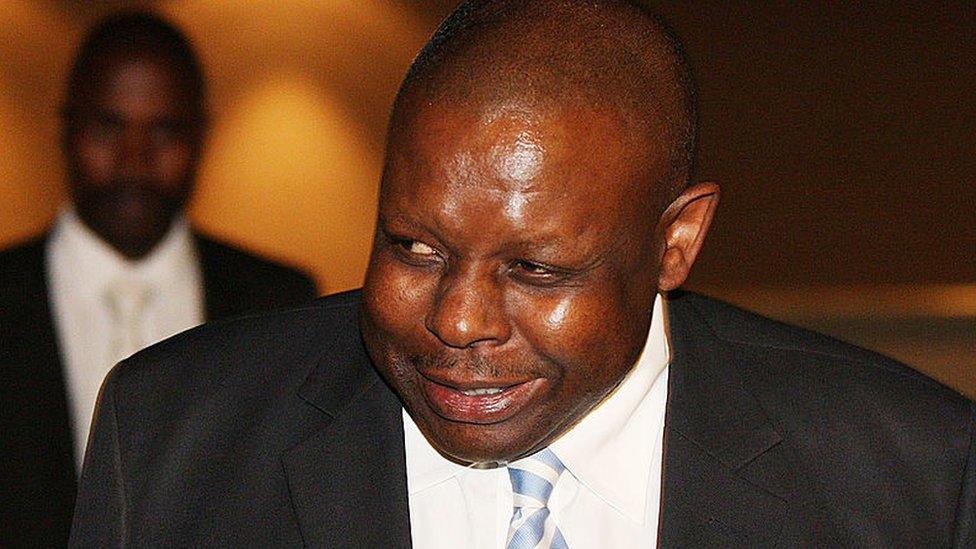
[276,431]
[37,469]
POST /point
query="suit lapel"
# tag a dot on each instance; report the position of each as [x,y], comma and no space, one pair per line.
[38,358]
[218,290]
[724,477]
[38,444]
[348,480]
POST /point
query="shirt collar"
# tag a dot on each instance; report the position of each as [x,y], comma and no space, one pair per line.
[609,451]
[427,467]
[96,262]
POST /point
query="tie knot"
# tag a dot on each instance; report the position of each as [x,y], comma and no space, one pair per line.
[534,477]
[127,298]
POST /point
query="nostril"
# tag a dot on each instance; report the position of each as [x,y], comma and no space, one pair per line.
[463,327]
[469,308]
[451,329]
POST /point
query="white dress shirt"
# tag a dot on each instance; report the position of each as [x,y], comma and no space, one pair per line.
[81,270]
[609,495]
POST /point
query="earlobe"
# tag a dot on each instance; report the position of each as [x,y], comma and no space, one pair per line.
[686,222]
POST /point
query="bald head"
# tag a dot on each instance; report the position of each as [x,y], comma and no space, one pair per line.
[533,203]
[134,35]
[609,56]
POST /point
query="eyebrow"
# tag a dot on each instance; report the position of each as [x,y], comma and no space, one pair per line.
[114,117]
[544,244]
[101,114]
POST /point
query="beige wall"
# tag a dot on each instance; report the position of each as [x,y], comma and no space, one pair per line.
[35,46]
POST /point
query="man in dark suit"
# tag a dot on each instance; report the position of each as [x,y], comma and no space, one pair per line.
[134,119]
[520,369]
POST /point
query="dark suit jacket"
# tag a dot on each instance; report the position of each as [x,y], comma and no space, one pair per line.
[37,471]
[276,431]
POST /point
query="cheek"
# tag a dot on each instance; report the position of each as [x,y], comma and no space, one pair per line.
[567,323]
[173,164]
[94,160]
[395,298]
[557,315]
[590,336]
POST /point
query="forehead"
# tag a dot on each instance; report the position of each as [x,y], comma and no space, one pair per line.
[509,148]
[564,174]
[135,82]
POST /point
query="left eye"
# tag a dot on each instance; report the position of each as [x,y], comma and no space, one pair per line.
[540,274]
[533,269]
[164,134]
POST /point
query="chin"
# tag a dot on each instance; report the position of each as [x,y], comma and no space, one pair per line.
[474,444]
[478,455]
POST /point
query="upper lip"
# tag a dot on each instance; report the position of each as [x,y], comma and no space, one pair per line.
[473,383]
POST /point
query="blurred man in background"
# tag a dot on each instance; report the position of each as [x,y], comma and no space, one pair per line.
[120,269]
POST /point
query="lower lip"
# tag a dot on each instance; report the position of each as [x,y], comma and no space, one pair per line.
[454,405]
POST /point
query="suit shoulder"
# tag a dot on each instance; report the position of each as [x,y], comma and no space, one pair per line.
[247,354]
[780,347]
[26,254]
[232,261]
[21,274]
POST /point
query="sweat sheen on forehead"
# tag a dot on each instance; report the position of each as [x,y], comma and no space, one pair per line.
[517,142]
[610,56]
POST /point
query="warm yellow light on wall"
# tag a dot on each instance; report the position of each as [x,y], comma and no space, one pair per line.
[34,48]
[292,175]
[30,189]
[301,92]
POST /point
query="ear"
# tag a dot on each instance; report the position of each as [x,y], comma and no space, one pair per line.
[684,225]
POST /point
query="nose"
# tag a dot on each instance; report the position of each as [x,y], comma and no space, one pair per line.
[135,155]
[469,311]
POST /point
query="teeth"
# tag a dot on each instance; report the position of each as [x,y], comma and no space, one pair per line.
[480,392]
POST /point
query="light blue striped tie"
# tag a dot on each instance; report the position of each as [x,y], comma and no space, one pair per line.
[532,481]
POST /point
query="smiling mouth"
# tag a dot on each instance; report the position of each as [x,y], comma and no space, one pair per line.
[483,402]
[485,391]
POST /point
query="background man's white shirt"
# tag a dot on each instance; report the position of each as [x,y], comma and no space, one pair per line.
[81,270]
[609,495]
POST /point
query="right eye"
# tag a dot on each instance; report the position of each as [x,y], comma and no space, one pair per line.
[102,130]
[413,252]
[417,247]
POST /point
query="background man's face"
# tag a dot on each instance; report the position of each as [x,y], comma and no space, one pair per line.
[512,275]
[131,151]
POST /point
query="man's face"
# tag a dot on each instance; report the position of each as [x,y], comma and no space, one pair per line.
[512,275]
[131,147]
